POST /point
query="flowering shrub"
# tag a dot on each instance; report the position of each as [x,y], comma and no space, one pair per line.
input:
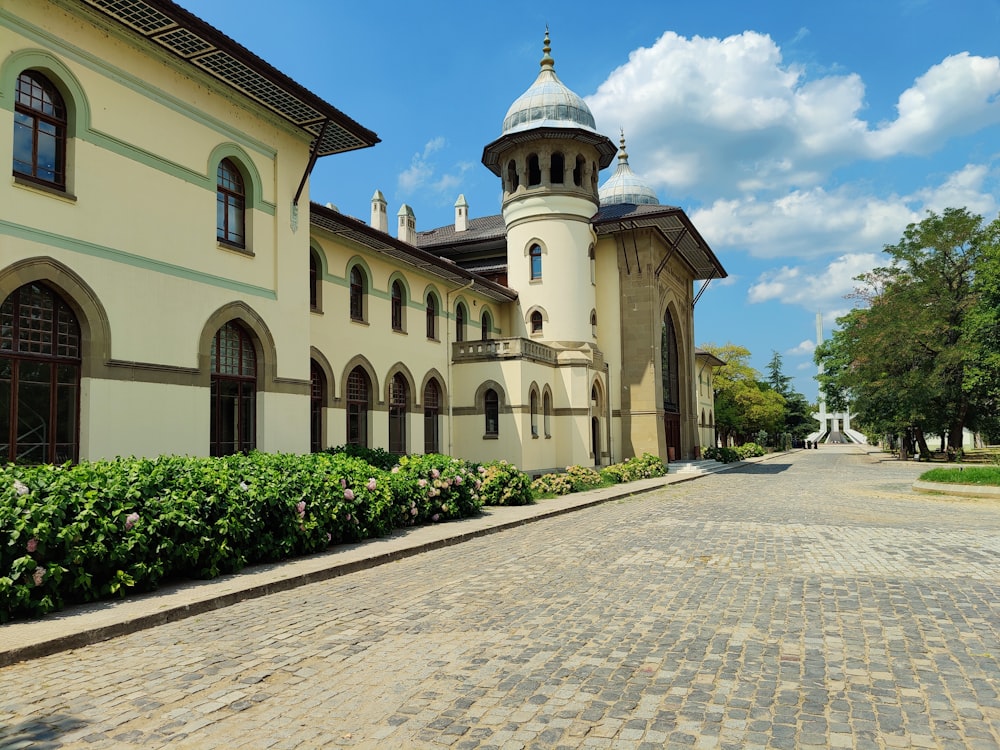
[378,457]
[504,484]
[433,488]
[637,467]
[85,532]
[551,484]
[722,455]
[749,450]
[584,478]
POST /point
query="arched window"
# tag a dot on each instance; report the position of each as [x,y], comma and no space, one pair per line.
[536,322]
[535,254]
[491,407]
[431,316]
[234,391]
[399,396]
[513,181]
[534,172]
[397,306]
[533,399]
[358,285]
[557,167]
[358,404]
[547,414]
[40,353]
[230,206]
[703,423]
[670,365]
[314,281]
[460,322]
[432,417]
[317,399]
[486,325]
[593,265]
[39,131]
[581,164]
[593,323]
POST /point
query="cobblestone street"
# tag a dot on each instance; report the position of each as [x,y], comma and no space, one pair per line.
[812,600]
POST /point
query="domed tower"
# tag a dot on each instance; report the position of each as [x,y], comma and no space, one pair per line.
[625,186]
[548,156]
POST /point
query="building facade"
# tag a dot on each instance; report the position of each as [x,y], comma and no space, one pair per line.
[559,332]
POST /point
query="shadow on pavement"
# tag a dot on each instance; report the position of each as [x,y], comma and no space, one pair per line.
[40,733]
[767,468]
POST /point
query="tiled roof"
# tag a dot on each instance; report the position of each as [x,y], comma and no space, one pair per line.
[381,243]
[483,228]
[209,50]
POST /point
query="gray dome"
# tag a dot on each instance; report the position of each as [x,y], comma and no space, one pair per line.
[624,186]
[548,103]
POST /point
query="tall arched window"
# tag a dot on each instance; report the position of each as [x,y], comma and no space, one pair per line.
[460,322]
[547,414]
[234,391]
[399,397]
[485,324]
[581,164]
[357,294]
[230,206]
[557,167]
[513,181]
[670,365]
[431,316]
[593,323]
[536,322]
[358,404]
[535,254]
[317,400]
[491,407]
[314,280]
[39,131]
[397,306]
[534,171]
[40,353]
[432,417]
[533,401]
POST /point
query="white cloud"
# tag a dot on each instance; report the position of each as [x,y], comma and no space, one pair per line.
[805,347]
[813,291]
[422,175]
[718,119]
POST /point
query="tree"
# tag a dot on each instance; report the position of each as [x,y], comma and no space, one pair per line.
[908,358]
[743,405]
[776,378]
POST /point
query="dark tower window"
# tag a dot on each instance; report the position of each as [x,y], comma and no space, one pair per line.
[578,171]
[39,377]
[39,131]
[535,253]
[534,171]
[557,169]
[513,181]
[536,322]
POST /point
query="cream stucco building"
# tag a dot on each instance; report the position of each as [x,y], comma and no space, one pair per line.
[559,332]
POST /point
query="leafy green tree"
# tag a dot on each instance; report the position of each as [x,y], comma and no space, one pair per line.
[776,378]
[743,405]
[909,357]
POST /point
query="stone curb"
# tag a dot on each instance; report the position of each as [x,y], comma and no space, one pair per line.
[19,643]
[961,490]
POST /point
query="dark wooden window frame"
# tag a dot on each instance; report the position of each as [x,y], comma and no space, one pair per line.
[399,401]
[357,294]
[231,208]
[359,390]
[397,297]
[238,373]
[39,109]
[432,415]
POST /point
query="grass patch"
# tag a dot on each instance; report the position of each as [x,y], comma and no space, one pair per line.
[982,475]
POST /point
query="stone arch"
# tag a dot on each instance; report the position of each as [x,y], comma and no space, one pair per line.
[401,368]
[433,374]
[252,183]
[359,360]
[324,364]
[72,92]
[260,335]
[95,327]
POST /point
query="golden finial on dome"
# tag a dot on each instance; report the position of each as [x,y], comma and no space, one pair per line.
[547,61]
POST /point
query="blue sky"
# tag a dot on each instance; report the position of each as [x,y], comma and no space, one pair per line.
[801,137]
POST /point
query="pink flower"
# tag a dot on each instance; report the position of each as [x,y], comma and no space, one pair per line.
[458,480]
[329,537]
[478,484]
[395,469]
[300,508]
[435,473]
[131,520]
[482,469]
[32,544]
[413,511]
[343,484]
[348,516]
[20,487]
[435,518]
[422,483]
[38,576]
[372,484]
[348,494]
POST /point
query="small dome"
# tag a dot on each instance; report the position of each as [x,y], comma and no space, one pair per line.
[548,103]
[624,186]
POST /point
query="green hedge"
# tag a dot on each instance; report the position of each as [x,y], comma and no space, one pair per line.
[78,533]
[982,475]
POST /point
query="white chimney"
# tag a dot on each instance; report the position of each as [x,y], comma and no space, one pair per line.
[461,214]
[380,219]
[407,225]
